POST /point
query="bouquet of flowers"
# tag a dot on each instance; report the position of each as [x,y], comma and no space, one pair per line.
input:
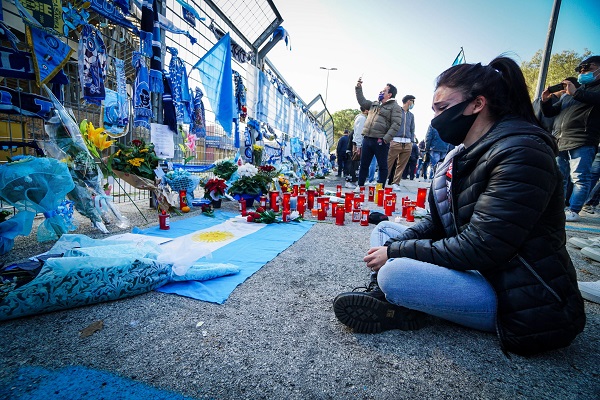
[257,152]
[268,171]
[250,184]
[224,169]
[214,189]
[137,158]
[68,145]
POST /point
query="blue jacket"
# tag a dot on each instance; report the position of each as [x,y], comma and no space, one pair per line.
[433,142]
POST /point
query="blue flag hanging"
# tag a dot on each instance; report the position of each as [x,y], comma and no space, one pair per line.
[215,73]
[49,53]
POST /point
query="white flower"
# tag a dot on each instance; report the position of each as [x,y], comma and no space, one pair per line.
[294,215]
[248,170]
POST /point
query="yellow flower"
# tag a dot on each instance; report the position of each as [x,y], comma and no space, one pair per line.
[143,150]
[136,162]
[257,147]
[98,137]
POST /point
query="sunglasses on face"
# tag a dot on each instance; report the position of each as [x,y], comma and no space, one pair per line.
[584,67]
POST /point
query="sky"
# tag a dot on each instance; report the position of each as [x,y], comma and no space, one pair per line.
[409,43]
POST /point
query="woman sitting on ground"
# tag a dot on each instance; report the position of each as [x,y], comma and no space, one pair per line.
[491,255]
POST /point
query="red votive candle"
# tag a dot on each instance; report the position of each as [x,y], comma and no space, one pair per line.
[295,190]
[371,193]
[263,201]
[362,191]
[311,199]
[348,201]
[326,204]
[301,204]
[380,197]
[340,214]
[410,212]
[357,203]
[321,214]
[421,195]
[388,190]
[355,215]
[387,208]
[274,195]
[285,215]
[364,217]
[302,189]
[286,201]
[243,207]
[338,190]
[321,189]
[333,209]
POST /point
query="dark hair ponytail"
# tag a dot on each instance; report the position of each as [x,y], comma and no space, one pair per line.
[501,82]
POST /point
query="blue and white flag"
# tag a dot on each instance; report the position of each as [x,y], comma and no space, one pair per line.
[460,58]
[49,53]
[215,73]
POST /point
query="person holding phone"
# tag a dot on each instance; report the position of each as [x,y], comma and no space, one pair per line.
[383,121]
[577,128]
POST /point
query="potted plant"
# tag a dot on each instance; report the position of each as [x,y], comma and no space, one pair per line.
[214,190]
[224,169]
[249,185]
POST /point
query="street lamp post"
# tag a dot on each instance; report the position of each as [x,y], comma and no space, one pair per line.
[327,84]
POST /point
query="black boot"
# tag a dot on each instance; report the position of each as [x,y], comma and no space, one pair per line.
[370,312]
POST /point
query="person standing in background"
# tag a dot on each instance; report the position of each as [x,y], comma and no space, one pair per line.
[436,148]
[401,145]
[577,128]
[383,121]
[342,157]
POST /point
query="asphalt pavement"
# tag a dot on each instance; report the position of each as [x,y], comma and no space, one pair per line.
[276,337]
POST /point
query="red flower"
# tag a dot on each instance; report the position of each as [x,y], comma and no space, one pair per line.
[217,185]
[260,210]
[249,218]
[137,142]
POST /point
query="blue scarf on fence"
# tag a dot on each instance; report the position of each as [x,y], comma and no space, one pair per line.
[179,87]
[141,94]
[92,65]
[199,123]
[150,25]
[169,116]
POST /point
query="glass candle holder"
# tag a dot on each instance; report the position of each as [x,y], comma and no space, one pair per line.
[340,214]
[311,199]
[242,207]
[273,200]
[338,191]
[380,197]
[286,201]
[371,193]
[364,217]
[421,195]
[301,204]
[348,201]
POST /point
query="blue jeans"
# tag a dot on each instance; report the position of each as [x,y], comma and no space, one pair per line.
[594,196]
[463,297]
[577,163]
[373,147]
[372,169]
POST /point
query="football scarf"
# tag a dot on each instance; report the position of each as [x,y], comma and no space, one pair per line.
[141,94]
[199,123]
[179,87]
[169,116]
[23,103]
[151,27]
[92,65]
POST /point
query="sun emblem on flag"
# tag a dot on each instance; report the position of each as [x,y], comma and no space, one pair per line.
[212,236]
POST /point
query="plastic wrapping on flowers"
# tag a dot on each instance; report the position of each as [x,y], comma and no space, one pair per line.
[181,179]
[39,185]
[67,144]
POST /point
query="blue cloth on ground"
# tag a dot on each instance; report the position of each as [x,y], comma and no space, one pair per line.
[249,253]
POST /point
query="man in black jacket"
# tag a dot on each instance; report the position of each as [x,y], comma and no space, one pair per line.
[342,156]
[577,128]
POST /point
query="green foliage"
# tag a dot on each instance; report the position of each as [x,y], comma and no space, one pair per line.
[343,119]
[224,169]
[137,158]
[562,65]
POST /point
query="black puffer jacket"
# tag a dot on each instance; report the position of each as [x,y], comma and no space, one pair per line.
[506,221]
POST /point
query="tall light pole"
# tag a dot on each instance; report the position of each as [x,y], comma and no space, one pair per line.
[327,85]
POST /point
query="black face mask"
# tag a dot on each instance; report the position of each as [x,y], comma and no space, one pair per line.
[452,125]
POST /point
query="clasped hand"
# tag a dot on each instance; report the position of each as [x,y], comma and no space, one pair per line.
[376,257]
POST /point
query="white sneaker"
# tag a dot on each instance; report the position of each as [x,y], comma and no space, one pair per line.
[571,216]
[580,243]
[396,188]
[590,291]
[356,189]
[349,185]
[588,210]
